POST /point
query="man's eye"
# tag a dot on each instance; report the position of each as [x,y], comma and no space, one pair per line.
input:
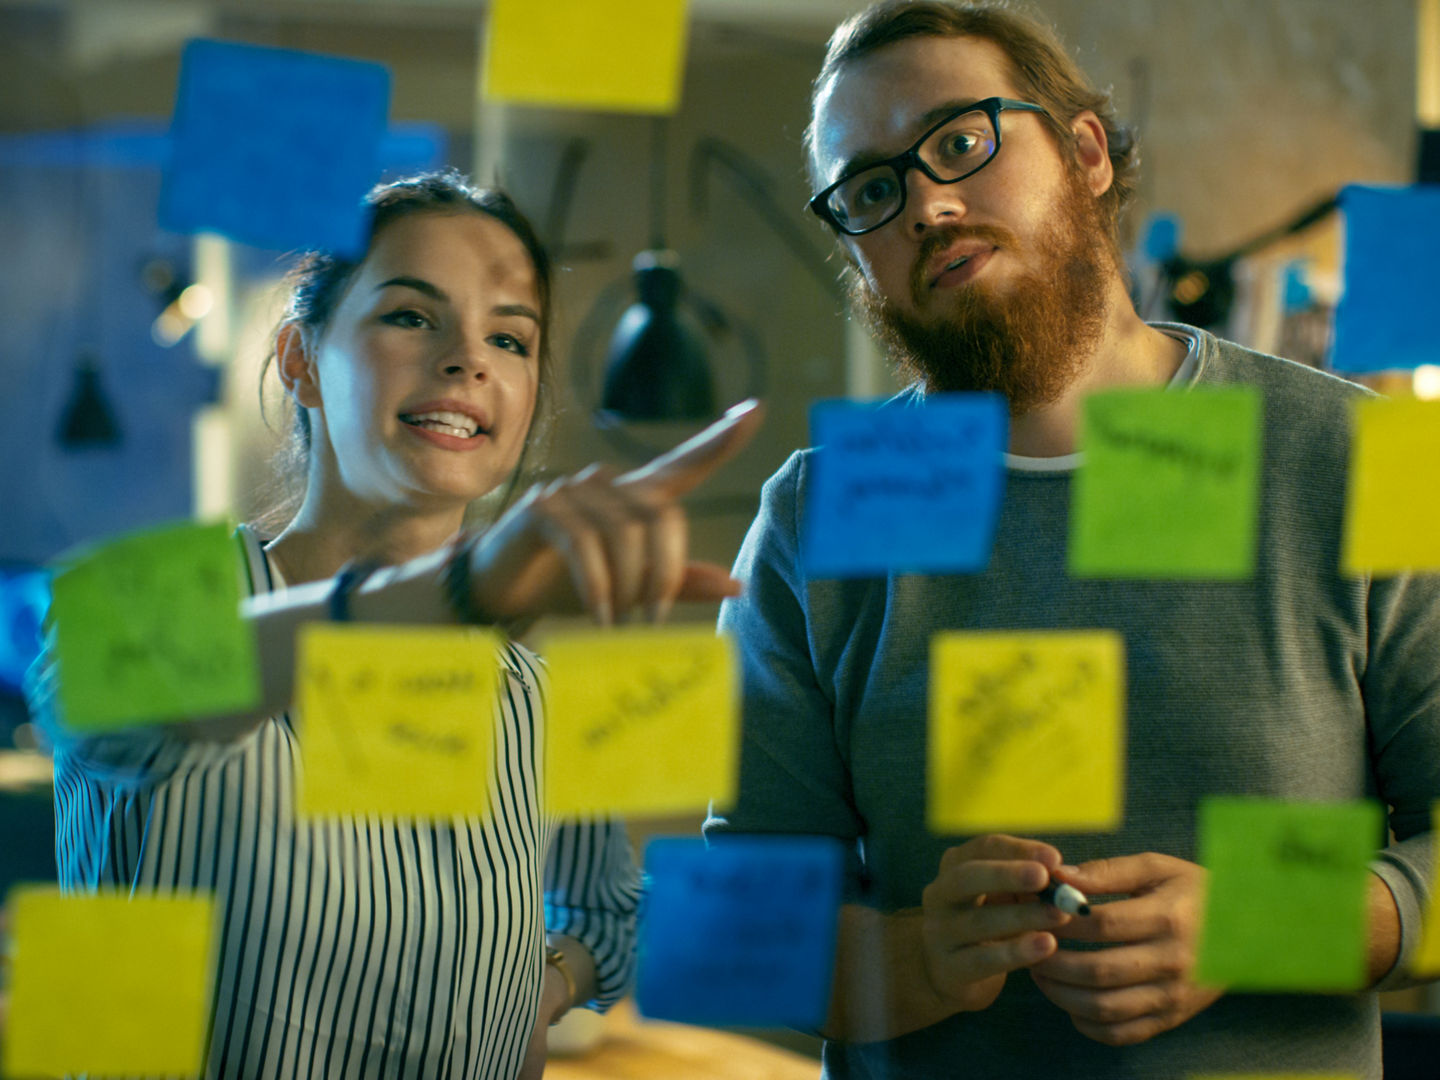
[872,192]
[959,143]
[510,343]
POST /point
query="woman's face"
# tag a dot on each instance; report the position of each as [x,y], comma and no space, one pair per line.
[423,383]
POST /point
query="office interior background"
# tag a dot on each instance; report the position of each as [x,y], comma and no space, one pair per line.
[1252,114]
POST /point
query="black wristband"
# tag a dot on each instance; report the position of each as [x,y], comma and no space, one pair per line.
[351,576]
[457,581]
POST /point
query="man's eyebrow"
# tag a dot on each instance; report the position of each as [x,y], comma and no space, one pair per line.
[865,158]
[420,285]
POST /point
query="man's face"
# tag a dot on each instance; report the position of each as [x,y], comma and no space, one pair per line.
[1017,316]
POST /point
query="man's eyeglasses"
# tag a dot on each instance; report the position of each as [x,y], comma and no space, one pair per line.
[958,146]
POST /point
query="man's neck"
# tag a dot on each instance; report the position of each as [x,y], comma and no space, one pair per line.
[1127,353]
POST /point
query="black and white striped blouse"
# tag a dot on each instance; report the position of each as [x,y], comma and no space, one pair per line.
[350,947]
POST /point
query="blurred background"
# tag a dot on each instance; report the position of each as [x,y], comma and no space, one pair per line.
[129,357]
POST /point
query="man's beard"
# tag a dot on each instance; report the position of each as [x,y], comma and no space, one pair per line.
[1031,342]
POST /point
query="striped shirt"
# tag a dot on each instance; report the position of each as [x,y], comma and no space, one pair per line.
[350,947]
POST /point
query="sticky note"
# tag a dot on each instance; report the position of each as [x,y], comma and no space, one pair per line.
[1275,1076]
[148,629]
[579,54]
[1385,318]
[742,933]
[904,489]
[1026,731]
[1169,484]
[274,147]
[1426,960]
[1392,519]
[1286,903]
[641,721]
[396,720]
[107,984]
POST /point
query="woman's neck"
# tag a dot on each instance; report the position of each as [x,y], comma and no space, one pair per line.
[315,545]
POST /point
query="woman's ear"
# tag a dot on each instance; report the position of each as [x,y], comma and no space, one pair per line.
[1092,152]
[296,365]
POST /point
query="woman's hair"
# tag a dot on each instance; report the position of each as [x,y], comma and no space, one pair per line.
[1043,73]
[317,282]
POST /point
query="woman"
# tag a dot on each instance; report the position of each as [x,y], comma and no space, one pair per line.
[378,947]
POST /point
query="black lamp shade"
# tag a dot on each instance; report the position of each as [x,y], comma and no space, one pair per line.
[88,420]
[655,367]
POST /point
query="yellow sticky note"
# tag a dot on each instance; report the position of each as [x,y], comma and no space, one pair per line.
[1426,960]
[1392,520]
[582,54]
[107,984]
[1026,731]
[1275,1076]
[641,721]
[396,720]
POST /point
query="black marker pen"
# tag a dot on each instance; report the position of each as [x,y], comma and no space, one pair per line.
[1065,897]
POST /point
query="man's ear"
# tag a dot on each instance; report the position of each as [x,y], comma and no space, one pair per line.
[1092,152]
[296,364]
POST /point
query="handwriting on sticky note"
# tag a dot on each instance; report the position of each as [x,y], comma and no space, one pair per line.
[148,629]
[274,147]
[1389,526]
[742,932]
[1169,484]
[578,54]
[1283,876]
[108,984]
[897,489]
[641,721]
[396,720]
[1026,731]
[1391,276]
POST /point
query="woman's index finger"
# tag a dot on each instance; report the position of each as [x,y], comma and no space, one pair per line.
[684,468]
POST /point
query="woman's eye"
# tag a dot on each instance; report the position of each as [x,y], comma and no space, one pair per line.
[407,318]
[510,343]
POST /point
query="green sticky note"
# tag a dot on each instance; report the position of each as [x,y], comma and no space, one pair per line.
[1169,485]
[1286,904]
[148,629]
[108,984]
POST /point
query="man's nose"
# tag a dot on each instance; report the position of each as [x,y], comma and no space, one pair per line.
[929,204]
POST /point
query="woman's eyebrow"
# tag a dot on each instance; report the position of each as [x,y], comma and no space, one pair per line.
[420,285]
[516,309]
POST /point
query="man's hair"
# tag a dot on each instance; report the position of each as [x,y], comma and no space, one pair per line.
[1042,70]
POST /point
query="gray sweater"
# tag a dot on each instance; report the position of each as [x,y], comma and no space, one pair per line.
[1296,684]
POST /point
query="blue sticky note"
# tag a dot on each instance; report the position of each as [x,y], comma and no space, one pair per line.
[741,933]
[904,488]
[273,147]
[1386,316]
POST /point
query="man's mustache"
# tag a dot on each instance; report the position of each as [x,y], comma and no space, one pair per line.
[942,237]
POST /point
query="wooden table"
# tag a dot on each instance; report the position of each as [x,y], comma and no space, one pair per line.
[636,1049]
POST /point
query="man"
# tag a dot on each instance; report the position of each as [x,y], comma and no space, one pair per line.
[986,258]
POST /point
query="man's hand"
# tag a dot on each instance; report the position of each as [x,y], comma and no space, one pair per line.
[1141,986]
[982,920]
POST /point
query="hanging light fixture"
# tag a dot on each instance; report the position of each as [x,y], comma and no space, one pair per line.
[87,421]
[656,366]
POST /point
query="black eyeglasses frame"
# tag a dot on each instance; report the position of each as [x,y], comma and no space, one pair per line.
[910,159]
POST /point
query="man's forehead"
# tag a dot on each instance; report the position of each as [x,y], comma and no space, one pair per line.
[877,105]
